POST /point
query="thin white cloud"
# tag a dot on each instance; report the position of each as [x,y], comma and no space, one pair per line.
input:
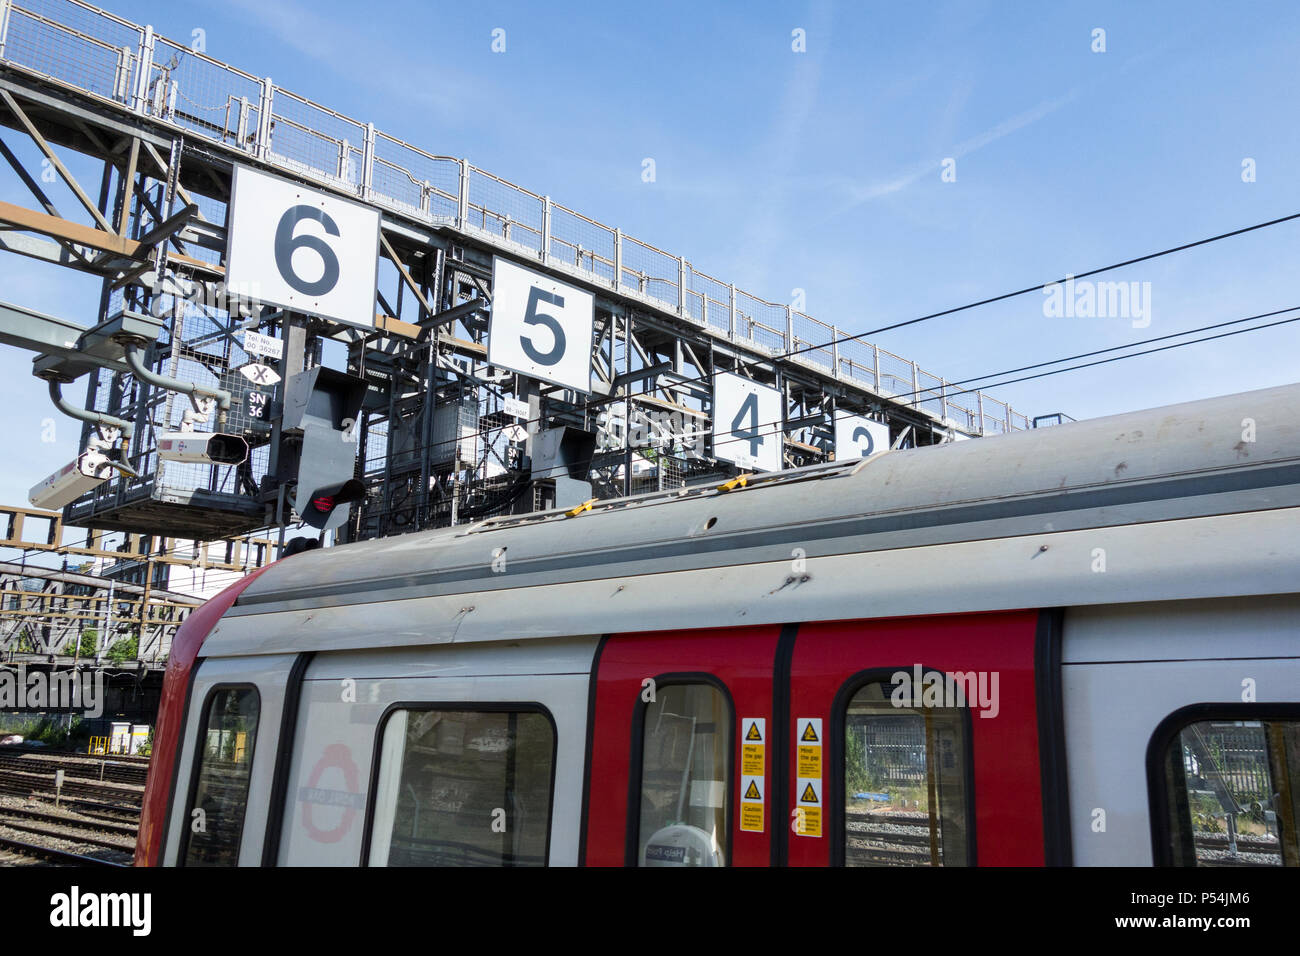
[859,194]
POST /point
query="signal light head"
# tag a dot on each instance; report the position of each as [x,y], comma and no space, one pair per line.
[326,507]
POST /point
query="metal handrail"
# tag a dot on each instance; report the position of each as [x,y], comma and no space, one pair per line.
[685,301]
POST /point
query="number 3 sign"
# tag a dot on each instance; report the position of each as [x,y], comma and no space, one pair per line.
[540,327]
[302,249]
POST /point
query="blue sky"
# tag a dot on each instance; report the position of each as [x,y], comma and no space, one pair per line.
[822,170]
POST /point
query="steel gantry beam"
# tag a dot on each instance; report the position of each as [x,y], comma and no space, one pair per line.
[443,435]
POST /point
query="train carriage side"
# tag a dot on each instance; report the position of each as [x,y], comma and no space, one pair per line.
[1078,645]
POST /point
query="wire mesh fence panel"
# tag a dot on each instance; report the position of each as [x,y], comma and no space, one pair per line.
[715,297]
[858,362]
[896,376]
[930,396]
[762,323]
[582,242]
[313,137]
[995,416]
[964,412]
[199,93]
[809,332]
[376,450]
[650,271]
[505,210]
[77,44]
[410,178]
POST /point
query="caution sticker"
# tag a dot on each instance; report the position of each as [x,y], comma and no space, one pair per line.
[751,803]
[808,809]
[753,749]
[807,812]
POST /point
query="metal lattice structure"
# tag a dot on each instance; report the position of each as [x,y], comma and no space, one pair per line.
[61,616]
[439,444]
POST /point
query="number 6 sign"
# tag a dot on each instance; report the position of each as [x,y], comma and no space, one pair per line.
[302,249]
[540,326]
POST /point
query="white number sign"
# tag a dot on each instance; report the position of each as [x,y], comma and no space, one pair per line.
[302,249]
[747,423]
[540,327]
[858,437]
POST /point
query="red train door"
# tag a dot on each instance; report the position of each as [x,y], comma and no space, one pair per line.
[905,741]
[914,741]
[681,764]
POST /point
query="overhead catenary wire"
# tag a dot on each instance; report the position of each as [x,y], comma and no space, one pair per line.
[838,340]
[1114,348]
[771,428]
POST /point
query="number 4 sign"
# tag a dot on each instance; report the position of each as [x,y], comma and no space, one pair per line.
[540,326]
[302,249]
[747,423]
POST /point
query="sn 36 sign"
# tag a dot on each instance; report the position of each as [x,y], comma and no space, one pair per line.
[302,249]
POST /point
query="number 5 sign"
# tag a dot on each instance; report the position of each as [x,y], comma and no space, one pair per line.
[540,327]
[302,249]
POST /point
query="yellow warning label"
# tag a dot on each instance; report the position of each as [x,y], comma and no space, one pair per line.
[810,761]
[751,817]
[753,733]
[809,735]
[751,760]
[752,793]
[809,795]
[812,821]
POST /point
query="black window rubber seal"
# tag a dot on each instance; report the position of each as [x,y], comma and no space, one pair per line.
[835,805]
[632,847]
[1158,748]
[469,707]
[1050,701]
[277,807]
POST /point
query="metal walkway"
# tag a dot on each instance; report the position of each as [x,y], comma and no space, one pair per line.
[96,53]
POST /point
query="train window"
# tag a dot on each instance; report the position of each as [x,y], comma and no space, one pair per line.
[685,760]
[907,787]
[1232,793]
[214,822]
[464,788]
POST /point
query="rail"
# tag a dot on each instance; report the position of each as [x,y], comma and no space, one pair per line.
[102,55]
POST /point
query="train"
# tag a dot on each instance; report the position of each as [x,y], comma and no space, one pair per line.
[1076,645]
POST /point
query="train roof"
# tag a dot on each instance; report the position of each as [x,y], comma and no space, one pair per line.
[918,531]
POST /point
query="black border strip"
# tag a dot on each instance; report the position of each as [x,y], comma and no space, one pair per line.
[631,848]
[196,765]
[1158,746]
[1048,696]
[590,746]
[779,744]
[464,706]
[835,830]
[276,809]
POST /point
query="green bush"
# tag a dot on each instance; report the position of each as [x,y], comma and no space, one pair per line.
[127,649]
[87,649]
[52,732]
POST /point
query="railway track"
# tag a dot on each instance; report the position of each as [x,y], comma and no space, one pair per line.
[21,784]
[66,837]
[102,826]
[102,769]
[12,849]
